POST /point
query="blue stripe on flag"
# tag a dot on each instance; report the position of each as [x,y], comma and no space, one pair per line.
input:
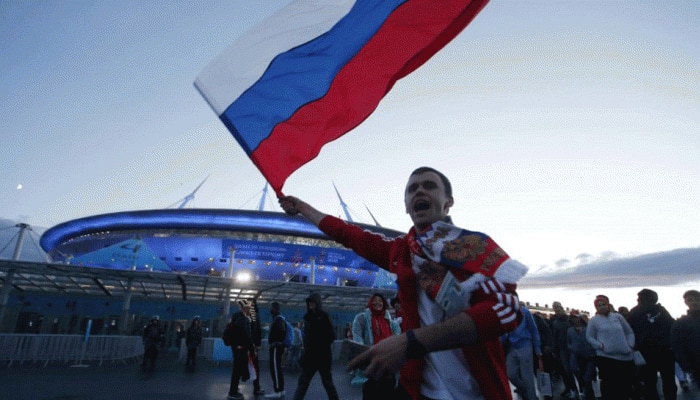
[303,74]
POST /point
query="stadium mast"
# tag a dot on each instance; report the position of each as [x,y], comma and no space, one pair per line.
[261,205]
[187,199]
[342,204]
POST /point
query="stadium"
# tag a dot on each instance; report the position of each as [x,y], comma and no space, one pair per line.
[263,245]
[118,269]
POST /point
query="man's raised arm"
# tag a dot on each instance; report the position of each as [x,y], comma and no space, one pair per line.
[293,206]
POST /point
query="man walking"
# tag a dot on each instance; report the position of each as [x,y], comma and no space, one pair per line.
[238,335]
[522,344]
[318,338]
[295,350]
[457,289]
[278,331]
[193,338]
[651,324]
[685,336]
[560,324]
[253,315]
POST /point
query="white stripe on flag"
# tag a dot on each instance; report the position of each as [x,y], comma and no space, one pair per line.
[244,61]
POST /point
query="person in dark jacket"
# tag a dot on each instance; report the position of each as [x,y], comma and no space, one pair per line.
[152,337]
[651,324]
[256,334]
[278,330]
[237,334]
[685,336]
[545,332]
[582,362]
[193,338]
[560,324]
[318,338]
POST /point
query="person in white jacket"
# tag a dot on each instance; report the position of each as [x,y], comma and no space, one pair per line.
[613,339]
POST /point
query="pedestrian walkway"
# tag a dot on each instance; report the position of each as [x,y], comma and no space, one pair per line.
[118,381]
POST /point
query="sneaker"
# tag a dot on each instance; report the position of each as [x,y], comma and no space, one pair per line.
[275,395]
[258,391]
[235,396]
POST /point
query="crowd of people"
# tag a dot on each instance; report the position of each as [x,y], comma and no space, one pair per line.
[619,355]
[593,357]
[309,350]
[465,333]
[457,329]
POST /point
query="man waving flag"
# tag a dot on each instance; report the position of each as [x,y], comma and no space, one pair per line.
[316,69]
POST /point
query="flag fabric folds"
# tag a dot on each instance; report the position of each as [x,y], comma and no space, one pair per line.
[317,68]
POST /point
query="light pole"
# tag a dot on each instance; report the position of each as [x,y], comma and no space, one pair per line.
[313,270]
[229,275]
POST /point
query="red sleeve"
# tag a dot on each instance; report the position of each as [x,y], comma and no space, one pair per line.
[495,309]
[374,247]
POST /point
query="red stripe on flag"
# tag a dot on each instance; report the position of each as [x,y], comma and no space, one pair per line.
[409,37]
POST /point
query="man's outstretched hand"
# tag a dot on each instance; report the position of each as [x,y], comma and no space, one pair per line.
[293,206]
[383,359]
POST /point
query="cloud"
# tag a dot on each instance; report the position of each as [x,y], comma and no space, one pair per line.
[608,269]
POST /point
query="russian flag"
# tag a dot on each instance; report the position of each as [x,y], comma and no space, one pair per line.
[316,69]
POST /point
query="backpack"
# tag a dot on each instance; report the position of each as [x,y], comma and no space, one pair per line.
[226,336]
[288,334]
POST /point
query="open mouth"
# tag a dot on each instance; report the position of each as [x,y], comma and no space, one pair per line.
[421,205]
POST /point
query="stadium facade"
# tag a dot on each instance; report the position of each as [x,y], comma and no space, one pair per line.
[268,246]
[113,271]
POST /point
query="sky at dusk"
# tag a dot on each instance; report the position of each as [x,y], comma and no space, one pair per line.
[570,131]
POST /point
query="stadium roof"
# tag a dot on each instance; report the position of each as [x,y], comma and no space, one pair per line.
[201,234]
[190,219]
[270,246]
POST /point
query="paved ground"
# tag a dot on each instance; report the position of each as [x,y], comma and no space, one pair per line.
[117,381]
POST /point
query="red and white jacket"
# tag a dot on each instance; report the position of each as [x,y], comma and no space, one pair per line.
[493,305]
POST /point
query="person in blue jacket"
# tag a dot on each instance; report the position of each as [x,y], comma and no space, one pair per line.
[521,345]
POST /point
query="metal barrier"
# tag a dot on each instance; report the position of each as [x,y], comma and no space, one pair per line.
[99,348]
[68,348]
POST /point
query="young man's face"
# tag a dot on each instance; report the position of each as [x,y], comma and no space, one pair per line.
[426,200]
